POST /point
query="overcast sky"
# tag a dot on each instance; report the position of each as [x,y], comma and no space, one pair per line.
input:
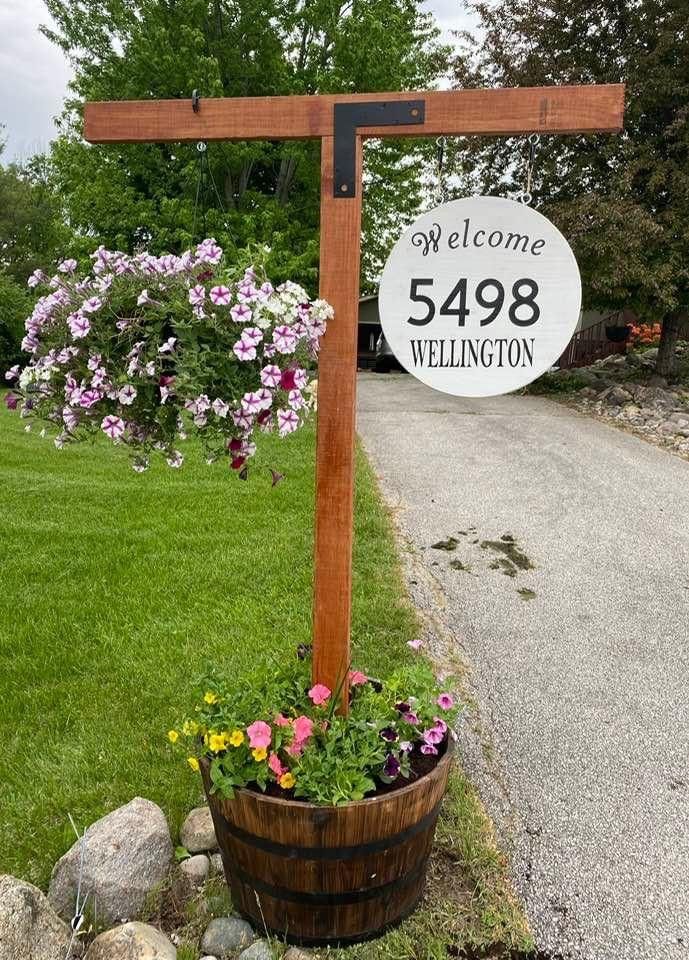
[34,74]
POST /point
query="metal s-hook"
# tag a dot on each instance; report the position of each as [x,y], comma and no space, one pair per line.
[527,196]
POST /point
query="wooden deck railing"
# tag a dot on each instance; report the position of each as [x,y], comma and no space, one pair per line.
[592,343]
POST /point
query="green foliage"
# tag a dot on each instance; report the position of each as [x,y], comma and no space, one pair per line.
[559,382]
[32,230]
[127,195]
[621,200]
[15,306]
[267,727]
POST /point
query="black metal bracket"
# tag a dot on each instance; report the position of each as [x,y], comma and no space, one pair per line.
[366,113]
[195,101]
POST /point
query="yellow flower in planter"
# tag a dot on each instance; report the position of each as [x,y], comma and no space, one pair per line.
[172,736]
[217,742]
[260,753]
[193,763]
[287,781]
[210,698]
[190,728]
[236,738]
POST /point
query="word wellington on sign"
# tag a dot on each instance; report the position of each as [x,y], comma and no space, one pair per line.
[480,296]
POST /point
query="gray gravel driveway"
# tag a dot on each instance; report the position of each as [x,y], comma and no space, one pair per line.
[576,636]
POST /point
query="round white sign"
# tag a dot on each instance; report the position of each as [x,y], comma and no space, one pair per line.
[479,296]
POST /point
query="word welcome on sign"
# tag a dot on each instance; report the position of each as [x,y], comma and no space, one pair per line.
[480,296]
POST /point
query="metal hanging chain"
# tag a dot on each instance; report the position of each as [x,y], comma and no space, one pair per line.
[527,196]
[202,147]
[441,192]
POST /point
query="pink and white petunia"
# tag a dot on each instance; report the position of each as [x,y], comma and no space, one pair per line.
[220,408]
[89,397]
[242,419]
[175,460]
[209,252]
[285,339]
[240,313]
[78,325]
[67,266]
[251,403]
[197,295]
[168,346]
[113,426]
[265,398]
[70,418]
[252,335]
[92,305]
[271,375]
[221,296]
[202,403]
[127,395]
[36,277]
[244,351]
[288,422]
[295,400]
[13,372]
[144,300]
[94,361]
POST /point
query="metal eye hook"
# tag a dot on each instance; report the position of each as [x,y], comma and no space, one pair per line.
[202,146]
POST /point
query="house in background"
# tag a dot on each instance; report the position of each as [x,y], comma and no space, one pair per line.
[369,331]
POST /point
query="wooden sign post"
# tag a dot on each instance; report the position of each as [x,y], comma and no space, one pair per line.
[342,122]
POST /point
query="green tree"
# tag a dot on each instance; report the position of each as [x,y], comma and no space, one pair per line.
[14,308]
[130,195]
[32,231]
[622,200]
[32,234]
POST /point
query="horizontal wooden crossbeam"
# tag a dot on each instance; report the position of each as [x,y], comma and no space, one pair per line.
[497,112]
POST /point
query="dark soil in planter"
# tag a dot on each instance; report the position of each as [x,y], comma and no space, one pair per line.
[421,764]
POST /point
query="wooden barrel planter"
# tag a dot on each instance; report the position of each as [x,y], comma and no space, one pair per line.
[316,875]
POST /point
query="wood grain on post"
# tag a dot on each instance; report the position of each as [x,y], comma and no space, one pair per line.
[494,112]
[339,285]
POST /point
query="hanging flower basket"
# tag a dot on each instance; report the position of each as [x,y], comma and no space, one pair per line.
[325,822]
[148,350]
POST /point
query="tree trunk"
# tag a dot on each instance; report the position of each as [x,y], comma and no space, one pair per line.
[666,364]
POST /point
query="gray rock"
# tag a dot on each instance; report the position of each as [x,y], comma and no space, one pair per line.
[225,935]
[615,396]
[29,927]
[195,869]
[132,941]
[127,856]
[296,953]
[216,866]
[198,833]
[260,950]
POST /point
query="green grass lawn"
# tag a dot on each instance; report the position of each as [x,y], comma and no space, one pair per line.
[118,590]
